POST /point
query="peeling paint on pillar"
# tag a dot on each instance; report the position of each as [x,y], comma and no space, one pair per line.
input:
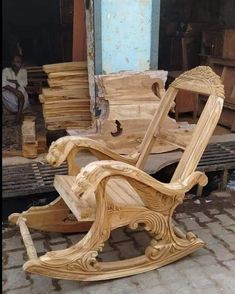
[126,35]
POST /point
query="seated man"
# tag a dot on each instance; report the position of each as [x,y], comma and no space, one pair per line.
[14,81]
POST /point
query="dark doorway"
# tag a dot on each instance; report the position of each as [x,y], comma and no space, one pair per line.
[42,29]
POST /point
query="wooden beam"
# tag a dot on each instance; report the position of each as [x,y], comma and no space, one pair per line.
[79,31]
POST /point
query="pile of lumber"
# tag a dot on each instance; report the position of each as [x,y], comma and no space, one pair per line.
[37,79]
[66,104]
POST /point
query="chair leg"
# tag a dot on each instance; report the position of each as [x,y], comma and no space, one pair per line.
[53,217]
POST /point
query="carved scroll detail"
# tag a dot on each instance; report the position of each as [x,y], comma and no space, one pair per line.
[201,76]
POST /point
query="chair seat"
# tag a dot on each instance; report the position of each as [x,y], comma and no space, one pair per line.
[119,191]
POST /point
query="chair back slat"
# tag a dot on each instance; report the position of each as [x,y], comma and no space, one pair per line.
[199,80]
[200,138]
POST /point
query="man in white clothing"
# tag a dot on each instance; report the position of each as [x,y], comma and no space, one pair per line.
[14,81]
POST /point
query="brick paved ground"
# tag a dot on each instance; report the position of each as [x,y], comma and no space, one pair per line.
[210,270]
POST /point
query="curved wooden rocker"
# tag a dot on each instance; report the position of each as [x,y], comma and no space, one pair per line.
[111,194]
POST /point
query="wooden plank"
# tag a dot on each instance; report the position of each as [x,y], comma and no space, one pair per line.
[75,117]
[77,90]
[30,150]
[68,74]
[68,124]
[28,130]
[66,66]
[55,83]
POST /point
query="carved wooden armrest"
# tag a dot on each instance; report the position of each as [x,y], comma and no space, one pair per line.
[90,177]
[66,148]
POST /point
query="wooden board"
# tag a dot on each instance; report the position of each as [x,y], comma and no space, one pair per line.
[66,66]
[28,131]
[229,44]
[30,150]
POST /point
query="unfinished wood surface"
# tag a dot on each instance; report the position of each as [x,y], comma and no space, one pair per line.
[79,261]
[30,150]
[127,102]
[67,102]
[66,66]
[63,74]
[115,194]
[28,131]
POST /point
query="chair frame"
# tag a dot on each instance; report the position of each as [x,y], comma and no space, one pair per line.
[94,194]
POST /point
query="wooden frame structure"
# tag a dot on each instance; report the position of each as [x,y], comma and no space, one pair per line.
[115,192]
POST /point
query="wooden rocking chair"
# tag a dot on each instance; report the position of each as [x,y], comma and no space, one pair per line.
[115,193]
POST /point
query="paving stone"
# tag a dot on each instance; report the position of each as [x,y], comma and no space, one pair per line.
[109,256]
[167,275]
[143,240]
[196,276]
[127,250]
[208,290]
[107,247]
[37,235]
[181,215]
[177,288]
[225,282]
[230,240]
[56,238]
[202,217]
[27,290]
[151,278]
[204,259]
[13,243]
[119,235]
[58,246]
[157,289]
[201,252]
[231,228]
[190,224]
[70,286]
[230,264]
[16,278]
[206,236]
[184,263]
[217,229]
[213,211]
[221,252]
[212,268]
[15,259]
[41,284]
[40,246]
[231,211]
[209,270]
[75,238]
[225,220]
[123,286]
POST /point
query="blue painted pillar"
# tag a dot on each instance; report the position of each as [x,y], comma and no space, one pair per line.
[126,35]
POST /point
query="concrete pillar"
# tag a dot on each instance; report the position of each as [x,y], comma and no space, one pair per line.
[126,35]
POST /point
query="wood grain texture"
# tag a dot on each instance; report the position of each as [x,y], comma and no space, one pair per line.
[114,192]
[129,98]
[67,102]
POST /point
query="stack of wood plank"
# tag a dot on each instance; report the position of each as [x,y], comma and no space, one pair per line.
[66,104]
[37,79]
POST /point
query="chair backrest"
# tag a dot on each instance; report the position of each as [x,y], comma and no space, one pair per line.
[200,80]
